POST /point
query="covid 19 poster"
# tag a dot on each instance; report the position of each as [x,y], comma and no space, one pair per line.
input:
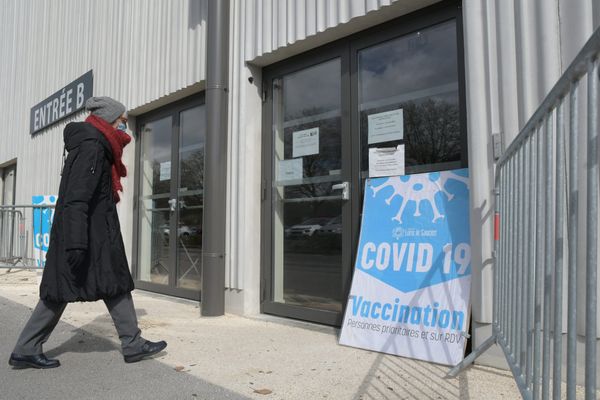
[42,224]
[411,286]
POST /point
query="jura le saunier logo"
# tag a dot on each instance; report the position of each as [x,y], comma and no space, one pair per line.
[426,217]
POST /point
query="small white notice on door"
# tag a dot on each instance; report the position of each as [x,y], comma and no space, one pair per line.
[306,142]
[386,126]
[386,161]
[165,171]
[290,169]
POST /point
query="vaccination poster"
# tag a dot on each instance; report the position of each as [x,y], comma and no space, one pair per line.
[410,291]
[42,223]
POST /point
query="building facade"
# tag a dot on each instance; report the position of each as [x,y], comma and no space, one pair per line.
[467,75]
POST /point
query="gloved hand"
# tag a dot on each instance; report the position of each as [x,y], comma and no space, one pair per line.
[75,257]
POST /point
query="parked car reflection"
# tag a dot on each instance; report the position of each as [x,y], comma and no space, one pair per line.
[332,228]
[306,228]
[183,230]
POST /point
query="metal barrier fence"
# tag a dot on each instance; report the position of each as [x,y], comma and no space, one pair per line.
[536,237]
[21,232]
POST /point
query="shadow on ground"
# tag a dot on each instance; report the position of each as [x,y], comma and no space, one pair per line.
[390,378]
[92,367]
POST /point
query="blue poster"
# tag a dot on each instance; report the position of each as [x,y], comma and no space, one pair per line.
[411,285]
[42,224]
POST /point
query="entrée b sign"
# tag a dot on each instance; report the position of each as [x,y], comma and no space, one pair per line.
[61,104]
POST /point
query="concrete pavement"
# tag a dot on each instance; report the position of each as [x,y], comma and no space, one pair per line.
[216,358]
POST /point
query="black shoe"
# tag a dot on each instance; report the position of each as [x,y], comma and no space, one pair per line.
[36,361]
[149,348]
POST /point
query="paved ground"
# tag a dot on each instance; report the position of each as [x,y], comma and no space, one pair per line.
[219,358]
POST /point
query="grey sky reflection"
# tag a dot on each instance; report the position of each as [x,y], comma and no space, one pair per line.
[312,91]
[413,62]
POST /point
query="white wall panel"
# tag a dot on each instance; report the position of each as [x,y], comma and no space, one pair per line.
[515,51]
[276,24]
[139,51]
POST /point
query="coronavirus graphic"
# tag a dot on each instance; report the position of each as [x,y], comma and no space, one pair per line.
[418,188]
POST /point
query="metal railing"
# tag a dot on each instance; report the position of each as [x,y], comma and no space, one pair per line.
[536,232]
[24,235]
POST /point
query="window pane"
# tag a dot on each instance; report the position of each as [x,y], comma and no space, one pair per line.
[418,74]
[191,197]
[307,224]
[155,217]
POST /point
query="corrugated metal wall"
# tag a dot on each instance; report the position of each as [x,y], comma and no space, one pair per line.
[139,50]
[276,23]
[271,25]
[515,51]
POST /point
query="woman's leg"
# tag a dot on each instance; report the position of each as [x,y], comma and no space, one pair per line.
[36,332]
[123,314]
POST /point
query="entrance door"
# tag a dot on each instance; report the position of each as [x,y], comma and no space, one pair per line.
[308,190]
[317,135]
[7,218]
[8,184]
[170,178]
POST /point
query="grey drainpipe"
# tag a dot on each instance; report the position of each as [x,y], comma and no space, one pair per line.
[215,177]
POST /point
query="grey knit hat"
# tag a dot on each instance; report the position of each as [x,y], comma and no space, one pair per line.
[106,108]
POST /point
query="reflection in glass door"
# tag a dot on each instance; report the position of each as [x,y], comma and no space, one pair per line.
[415,75]
[171,184]
[155,193]
[308,189]
[190,198]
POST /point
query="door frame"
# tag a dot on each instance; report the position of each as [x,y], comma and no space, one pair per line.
[172,110]
[347,49]
[3,186]
[323,54]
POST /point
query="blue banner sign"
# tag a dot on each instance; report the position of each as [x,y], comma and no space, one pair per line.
[411,285]
[42,225]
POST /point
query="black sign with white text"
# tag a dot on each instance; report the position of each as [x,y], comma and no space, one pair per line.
[61,104]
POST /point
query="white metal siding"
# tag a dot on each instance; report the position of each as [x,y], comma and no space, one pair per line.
[514,54]
[139,50]
[271,25]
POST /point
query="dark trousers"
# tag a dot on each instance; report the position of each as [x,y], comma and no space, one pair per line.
[47,314]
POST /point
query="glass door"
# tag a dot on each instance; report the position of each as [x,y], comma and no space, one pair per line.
[309,193]
[170,199]
[190,197]
[155,263]
[323,111]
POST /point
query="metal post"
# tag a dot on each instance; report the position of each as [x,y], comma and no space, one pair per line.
[520,264]
[502,245]
[548,236]
[573,208]
[513,257]
[558,249]
[215,180]
[532,178]
[592,234]
[537,345]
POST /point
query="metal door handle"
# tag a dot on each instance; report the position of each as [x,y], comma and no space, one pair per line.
[344,187]
[173,204]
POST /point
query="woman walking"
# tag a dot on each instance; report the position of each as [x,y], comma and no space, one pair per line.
[86,258]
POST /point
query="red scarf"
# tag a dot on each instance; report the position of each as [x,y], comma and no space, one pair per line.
[118,140]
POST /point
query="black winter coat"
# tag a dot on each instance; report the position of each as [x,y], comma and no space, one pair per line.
[86,218]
